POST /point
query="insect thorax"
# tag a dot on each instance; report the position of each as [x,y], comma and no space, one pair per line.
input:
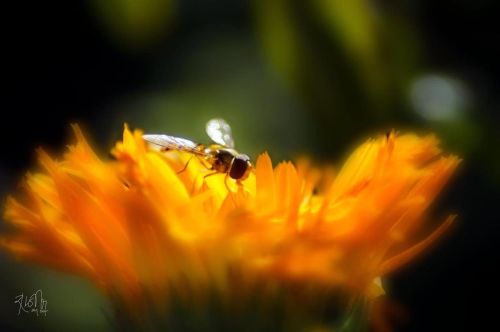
[221,158]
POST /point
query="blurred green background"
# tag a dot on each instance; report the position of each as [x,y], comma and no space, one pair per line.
[291,77]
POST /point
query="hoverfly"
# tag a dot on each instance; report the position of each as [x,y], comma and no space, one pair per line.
[220,156]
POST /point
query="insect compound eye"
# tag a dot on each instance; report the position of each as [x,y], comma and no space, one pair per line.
[239,167]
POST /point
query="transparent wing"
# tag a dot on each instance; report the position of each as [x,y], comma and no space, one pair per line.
[220,132]
[166,142]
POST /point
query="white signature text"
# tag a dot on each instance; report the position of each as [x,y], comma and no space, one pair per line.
[32,304]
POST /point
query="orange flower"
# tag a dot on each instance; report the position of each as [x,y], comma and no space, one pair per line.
[137,229]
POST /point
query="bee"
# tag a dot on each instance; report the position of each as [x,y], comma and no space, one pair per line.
[220,156]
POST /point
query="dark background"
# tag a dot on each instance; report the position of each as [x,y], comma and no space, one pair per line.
[65,61]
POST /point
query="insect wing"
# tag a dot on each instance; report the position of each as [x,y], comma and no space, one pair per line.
[166,142]
[220,132]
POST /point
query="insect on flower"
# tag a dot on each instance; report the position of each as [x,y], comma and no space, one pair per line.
[280,247]
[220,157]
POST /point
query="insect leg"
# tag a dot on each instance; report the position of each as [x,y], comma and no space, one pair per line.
[227,186]
[229,191]
[210,174]
[204,177]
[204,163]
[209,167]
[185,166]
[207,175]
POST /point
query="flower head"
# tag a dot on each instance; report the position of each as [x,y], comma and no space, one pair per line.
[137,228]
